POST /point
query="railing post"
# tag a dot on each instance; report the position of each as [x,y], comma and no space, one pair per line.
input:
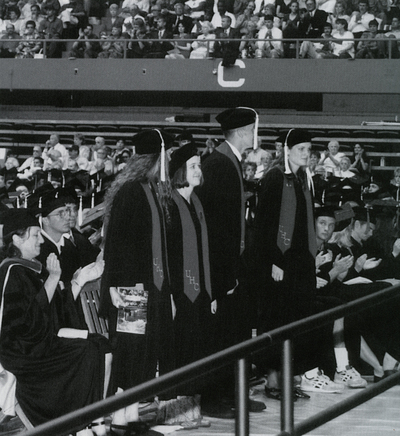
[287,409]
[242,398]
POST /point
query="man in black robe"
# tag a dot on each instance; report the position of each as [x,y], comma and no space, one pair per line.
[222,196]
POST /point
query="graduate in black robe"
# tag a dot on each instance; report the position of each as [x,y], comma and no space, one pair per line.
[55,374]
[188,260]
[135,256]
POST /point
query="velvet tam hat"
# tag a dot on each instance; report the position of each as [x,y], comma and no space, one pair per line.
[17,219]
[235,118]
[297,136]
[150,141]
[180,156]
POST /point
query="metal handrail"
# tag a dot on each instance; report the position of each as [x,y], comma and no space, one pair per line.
[239,354]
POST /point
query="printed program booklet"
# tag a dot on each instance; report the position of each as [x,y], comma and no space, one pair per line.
[133,317]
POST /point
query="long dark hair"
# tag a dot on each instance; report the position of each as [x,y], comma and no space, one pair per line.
[143,168]
[9,249]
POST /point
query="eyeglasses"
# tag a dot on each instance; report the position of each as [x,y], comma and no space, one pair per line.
[66,213]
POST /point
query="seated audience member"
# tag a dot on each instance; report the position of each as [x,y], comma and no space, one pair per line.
[342,49]
[393,46]
[73,157]
[360,161]
[113,47]
[313,160]
[8,45]
[290,29]
[82,48]
[339,12]
[211,144]
[34,16]
[282,8]
[52,28]
[220,11]
[65,366]
[14,18]
[160,48]
[181,19]
[248,45]
[227,50]
[181,49]
[55,4]
[344,172]
[123,159]
[74,17]
[394,186]
[319,50]
[269,48]
[54,144]
[374,49]
[331,157]
[201,48]
[359,20]
[246,16]
[29,162]
[317,19]
[102,162]
[31,43]
[137,46]
[112,20]
[26,9]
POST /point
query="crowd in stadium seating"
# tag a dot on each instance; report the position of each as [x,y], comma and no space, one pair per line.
[229,29]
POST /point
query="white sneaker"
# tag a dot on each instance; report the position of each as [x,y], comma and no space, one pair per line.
[350,378]
[320,383]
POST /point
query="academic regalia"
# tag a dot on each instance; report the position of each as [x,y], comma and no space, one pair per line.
[54,375]
[129,260]
[194,321]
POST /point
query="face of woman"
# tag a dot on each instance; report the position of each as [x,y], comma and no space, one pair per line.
[344,164]
[205,29]
[193,171]
[298,155]
[357,149]
[30,245]
[313,160]
[339,8]
[181,28]
[294,7]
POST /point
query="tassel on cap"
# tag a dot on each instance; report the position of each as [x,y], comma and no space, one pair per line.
[162,170]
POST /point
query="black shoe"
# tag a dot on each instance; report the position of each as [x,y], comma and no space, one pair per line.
[298,393]
[218,410]
[256,406]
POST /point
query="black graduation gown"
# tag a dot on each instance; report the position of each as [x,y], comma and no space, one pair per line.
[128,260]
[194,321]
[54,375]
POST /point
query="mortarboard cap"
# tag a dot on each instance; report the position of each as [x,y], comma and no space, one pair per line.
[150,141]
[17,219]
[180,156]
[235,118]
[297,136]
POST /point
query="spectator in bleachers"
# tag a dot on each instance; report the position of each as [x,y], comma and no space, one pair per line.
[248,46]
[75,18]
[227,50]
[15,20]
[394,32]
[31,44]
[55,4]
[124,157]
[318,50]
[8,45]
[313,161]
[339,12]
[35,16]
[113,20]
[29,162]
[113,47]
[52,28]
[181,19]
[137,46]
[82,48]
[290,29]
[201,48]
[73,152]
[360,160]
[102,162]
[360,19]
[181,49]
[342,49]
[394,187]
[331,157]
[160,48]
[283,8]
[25,8]
[54,144]
[246,16]
[317,20]
[269,48]
[374,49]
[220,12]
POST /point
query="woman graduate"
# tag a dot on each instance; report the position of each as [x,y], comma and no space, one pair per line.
[135,292]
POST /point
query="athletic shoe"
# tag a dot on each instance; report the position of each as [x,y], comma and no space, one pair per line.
[350,378]
[320,383]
